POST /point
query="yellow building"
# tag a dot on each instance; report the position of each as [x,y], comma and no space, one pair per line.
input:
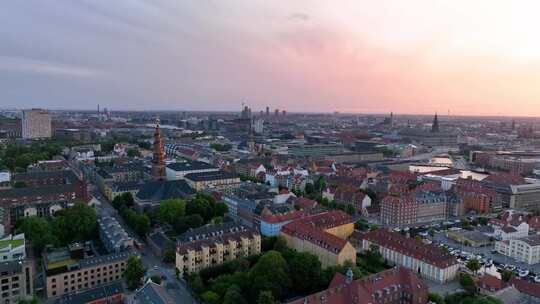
[199,254]
[220,180]
[324,235]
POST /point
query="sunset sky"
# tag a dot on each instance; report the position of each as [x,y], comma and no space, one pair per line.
[415,56]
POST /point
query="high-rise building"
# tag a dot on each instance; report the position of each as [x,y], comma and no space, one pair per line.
[36,123]
[158,161]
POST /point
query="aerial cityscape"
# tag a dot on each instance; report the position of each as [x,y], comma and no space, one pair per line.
[208,152]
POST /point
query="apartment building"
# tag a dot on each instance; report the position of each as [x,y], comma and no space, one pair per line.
[526,250]
[398,211]
[428,261]
[36,124]
[16,270]
[112,234]
[176,171]
[70,270]
[219,180]
[324,235]
[215,249]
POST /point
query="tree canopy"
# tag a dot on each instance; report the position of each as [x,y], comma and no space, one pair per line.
[134,272]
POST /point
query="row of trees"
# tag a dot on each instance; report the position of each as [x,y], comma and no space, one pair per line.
[74,224]
[140,223]
[18,157]
[194,213]
[277,274]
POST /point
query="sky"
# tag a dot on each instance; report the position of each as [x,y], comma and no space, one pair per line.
[413,57]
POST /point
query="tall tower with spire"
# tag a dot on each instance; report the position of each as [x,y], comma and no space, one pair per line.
[435,126]
[158,160]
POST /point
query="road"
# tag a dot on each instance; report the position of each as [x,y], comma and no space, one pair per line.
[175,288]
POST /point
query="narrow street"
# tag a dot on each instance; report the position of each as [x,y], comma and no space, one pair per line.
[176,288]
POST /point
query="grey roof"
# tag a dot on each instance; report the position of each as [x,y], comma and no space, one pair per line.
[190,166]
[92,294]
[532,240]
[152,293]
[162,190]
[209,176]
[11,267]
[67,174]
[36,191]
[106,259]
[114,234]
[209,231]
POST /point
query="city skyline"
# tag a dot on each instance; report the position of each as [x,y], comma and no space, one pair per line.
[418,57]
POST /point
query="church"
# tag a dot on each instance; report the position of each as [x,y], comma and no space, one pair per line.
[432,138]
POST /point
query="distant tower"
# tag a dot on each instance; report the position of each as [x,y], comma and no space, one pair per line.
[276,112]
[513,124]
[435,126]
[267,111]
[283,112]
[98,108]
[391,119]
[158,160]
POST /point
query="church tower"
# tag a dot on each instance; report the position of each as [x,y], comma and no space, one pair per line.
[158,160]
[435,126]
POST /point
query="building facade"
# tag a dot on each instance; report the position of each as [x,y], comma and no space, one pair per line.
[428,261]
[324,235]
[36,124]
[193,256]
[69,270]
[526,250]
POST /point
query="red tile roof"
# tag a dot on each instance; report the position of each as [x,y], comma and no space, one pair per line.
[505,179]
[305,203]
[530,288]
[410,247]
[315,236]
[312,228]
[490,283]
[283,217]
[377,288]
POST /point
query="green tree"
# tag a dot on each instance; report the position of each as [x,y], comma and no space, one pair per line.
[169,255]
[435,298]
[266,297]
[156,279]
[39,231]
[170,210]
[234,296]
[270,273]
[210,297]
[467,282]
[305,272]
[220,209]
[195,282]
[19,184]
[77,223]
[280,244]
[133,153]
[473,265]
[507,275]
[373,255]
[134,272]
[349,208]
[309,189]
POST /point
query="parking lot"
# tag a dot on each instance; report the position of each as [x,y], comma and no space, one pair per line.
[486,252]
